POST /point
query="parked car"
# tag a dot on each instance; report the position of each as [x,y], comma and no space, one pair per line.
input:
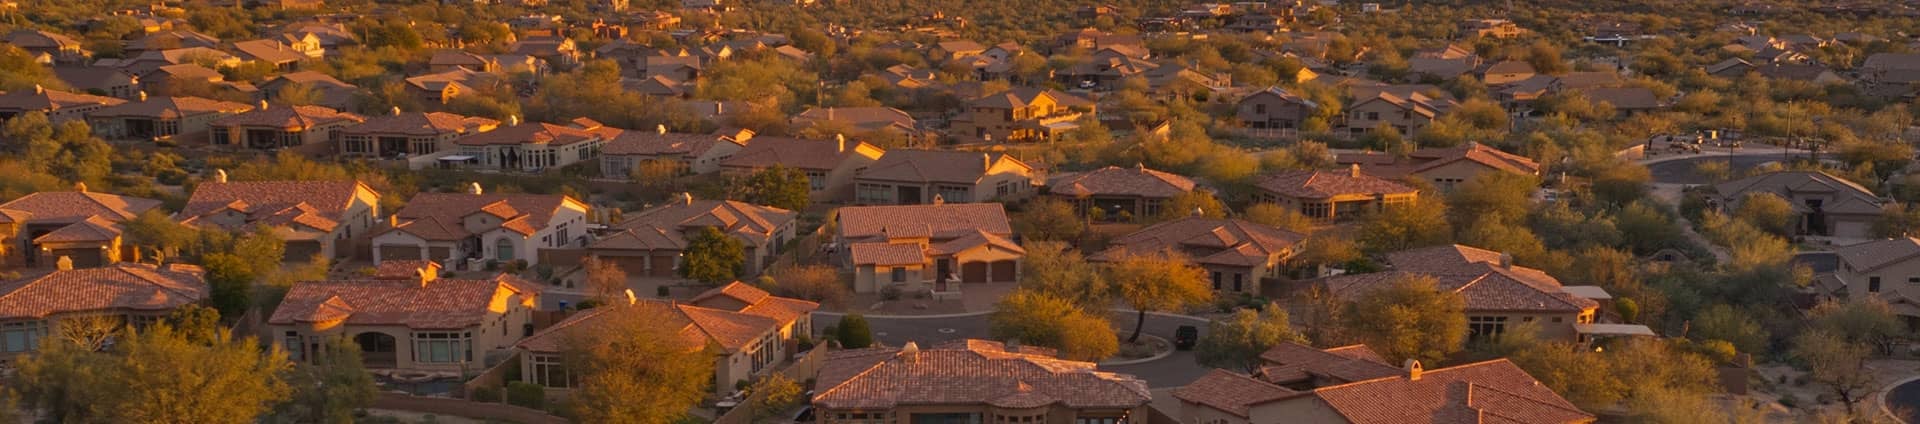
[1185,336]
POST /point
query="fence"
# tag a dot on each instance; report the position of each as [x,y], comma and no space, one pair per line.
[463,408]
[495,377]
[802,369]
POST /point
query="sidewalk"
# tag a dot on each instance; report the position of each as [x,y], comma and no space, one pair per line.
[975,298]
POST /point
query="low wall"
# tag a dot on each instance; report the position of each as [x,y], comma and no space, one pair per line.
[463,408]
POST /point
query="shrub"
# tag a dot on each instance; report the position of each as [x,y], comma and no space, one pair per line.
[524,394]
[890,292]
[663,291]
[486,394]
[853,332]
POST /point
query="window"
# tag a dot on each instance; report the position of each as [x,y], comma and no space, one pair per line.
[1873,284]
[293,345]
[1097,420]
[442,347]
[899,275]
[1260,109]
[548,371]
[1373,116]
[1216,280]
[874,193]
[1483,326]
[18,337]
[1237,277]
[816,180]
[1913,280]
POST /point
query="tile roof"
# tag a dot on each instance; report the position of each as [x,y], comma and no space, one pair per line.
[47,100]
[938,221]
[1387,166]
[969,372]
[1327,184]
[1477,275]
[1229,242]
[942,166]
[699,327]
[93,229]
[887,254]
[1849,197]
[438,304]
[421,124]
[168,107]
[1623,98]
[765,152]
[581,130]
[461,76]
[321,205]
[1025,96]
[1232,392]
[747,299]
[440,216]
[1873,255]
[291,117]
[861,118]
[76,206]
[1117,181]
[121,286]
[640,237]
[185,71]
[1486,392]
[654,143]
[403,269]
[753,223]
[91,77]
[1290,362]
[37,39]
[267,51]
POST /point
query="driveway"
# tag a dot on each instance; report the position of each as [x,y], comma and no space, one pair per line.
[1174,370]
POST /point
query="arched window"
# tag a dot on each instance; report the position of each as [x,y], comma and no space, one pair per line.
[503,250]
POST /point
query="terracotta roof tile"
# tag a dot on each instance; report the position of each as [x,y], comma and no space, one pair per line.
[1476,274]
[1232,392]
[1230,242]
[1117,181]
[699,326]
[970,372]
[49,100]
[940,221]
[1873,255]
[439,216]
[885,254]
[267,51]
[122,286]
[1492,391]
[421,124]
[170,108]
[93,229]
[817,155]
[753,223]
[440,304]
[283,116]
[76,206]
[540,133]
[645,143]
[1327,184]
[1291,362]
[640,237]
[321,205]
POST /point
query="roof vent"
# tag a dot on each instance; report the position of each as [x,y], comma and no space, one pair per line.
[686,197]
[939,200]
[37,89]
[513,120]
[842,139]
[64,264]
[396,111]
[630,298]
[426,275]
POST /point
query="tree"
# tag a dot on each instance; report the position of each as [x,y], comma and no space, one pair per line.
[606,280]
[655,172]
[1272,215]
[1733,325]
[90,333]
[1200,203]
[1766,211]
[779,186]
[330,388]
[818,283]
[231,280]
[1237,342]
[1402,227]
[1053,268]
[713,257]
[1048,219]
[626,374]
[155,376]
[1502,196]
[1410,318]
[852,332]
[1157,283]
[1837,363]
[1870,321]
[296,94]
[1041,319]
[773,395]
[157,232]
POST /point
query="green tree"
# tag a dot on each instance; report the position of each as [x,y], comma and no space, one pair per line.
[852,332]
[231,279]
[1402,227]
[1870,321]
[1237,342]
[713,257]
[1048,219]
[774,394]
[627,375]
[1837,363]
[330,388]
[1410,318]
[1053,268]
[158,233]
[1272,215]
[155,376]
[1724,322]
[1502,196]
[1766,211]
[779,187]
[1157,283]
[1199,203]
[1040,319]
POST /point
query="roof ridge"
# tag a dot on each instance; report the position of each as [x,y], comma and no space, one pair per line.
[1520,396]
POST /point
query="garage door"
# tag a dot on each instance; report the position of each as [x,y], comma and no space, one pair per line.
[973,272]
[662,266]
[633,265]
[399,252]
[301,251]
[82,258]
[439,253]
[1851,229]
[1003,271]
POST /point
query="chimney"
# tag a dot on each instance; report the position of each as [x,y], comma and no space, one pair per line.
[662,129]
[396,111]
[220,176]
[425,275]
[686,197]
[473,188]
[719,107]
[80,186]
[911,351]
[1506,260]
[1413,370]
[64,264]
[939,200]
[986,161]
[630,298]
[1353,170]
[513,120]
[37,89]
[263,104]
[842,139]
[143,95]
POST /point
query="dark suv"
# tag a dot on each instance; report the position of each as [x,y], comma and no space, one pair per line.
[1185,336]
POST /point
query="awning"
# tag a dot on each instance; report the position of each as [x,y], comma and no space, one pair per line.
[1589,292]
[1614,330]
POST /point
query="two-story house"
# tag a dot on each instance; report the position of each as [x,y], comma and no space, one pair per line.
[308,130]
[472,229]
[1823,204]
[161,117]
[1406,113]
[411,320]
[1497,292]
[409,134]
[1020,115]
[830,166]
[910,177]
[650,243]
[111,82]
[1886,269]
[1331,195]
[1274,110]
[314,217]
[55,46]
[442,87]
[689,153]
[270,52]
[1119,194]
[1446,167]
[746,331]
[33,307]
[974,381]
[535,146]
[920,247]
[82,226]
[58,106]
[1236,254]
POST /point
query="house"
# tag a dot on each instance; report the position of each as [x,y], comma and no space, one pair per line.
[270,52]
[830,165]
[149,60]
[468,230]
[1491,28]
[1626,101]
[557,51]
[678,68]
[1816,74]
[59,47]
[334,93]
[1274,109]
[1891,75]
[448,60]
[1406,113]
[415,321]
[690,153]
[110,82]
[314,217]
[287,4]
[1020,115]
[1353,385]
[862,120]
[441,87]
[1733,67]
[1440,69]
[1446,167]
[79,225]
[973,381]
[1884,269]
[1497,292]
[409,134]
[1237,255]
[1119,194]
[908,177]
[1823,204]
[536,146]
[309,130]
[172,79]
[1330,195]
[1449,51]
[309,44]
[34,307]
[657,86]
[162,117]
[175,39]
[748,332]
[58,106]
[1505,72]
[920,247]
[650,243]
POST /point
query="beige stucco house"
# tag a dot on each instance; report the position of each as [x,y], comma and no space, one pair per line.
[408,318]
[650,243]
[1020,115]
[314,217]
[911,177]
[1825,205]
[1445,167]
[1498,293]
[33,307]
[926,247]
[39,228]
[973,381]
[469,230]
[748,332]
[690,153]
[830,166]
[1887,269]
[1331,195]
[1236,254]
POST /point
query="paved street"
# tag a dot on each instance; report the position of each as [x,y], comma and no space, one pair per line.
[1172,371]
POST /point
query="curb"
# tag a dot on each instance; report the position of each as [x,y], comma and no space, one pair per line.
[1880,398]
[1165,314]
[1162,355]
[958,315]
